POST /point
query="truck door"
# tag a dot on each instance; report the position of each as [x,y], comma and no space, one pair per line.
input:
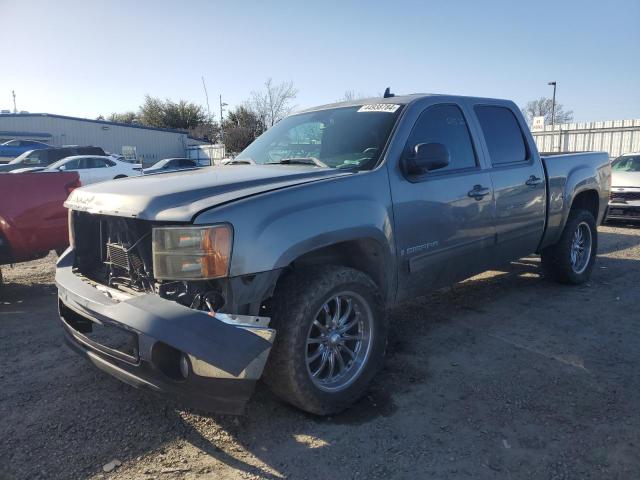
[518,182]
[444,217]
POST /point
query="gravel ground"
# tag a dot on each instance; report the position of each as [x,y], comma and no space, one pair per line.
[506,375]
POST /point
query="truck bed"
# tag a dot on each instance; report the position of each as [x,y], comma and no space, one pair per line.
[568,175]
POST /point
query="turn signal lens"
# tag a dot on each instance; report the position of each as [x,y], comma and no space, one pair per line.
[191,253]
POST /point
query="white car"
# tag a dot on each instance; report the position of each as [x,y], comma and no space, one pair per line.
[95,168]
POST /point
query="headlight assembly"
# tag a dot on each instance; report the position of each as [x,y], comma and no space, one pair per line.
[191,253]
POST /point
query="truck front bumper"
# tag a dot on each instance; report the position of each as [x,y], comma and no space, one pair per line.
[162,346]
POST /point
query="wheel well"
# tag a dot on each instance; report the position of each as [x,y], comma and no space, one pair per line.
[365,255]
[587,200]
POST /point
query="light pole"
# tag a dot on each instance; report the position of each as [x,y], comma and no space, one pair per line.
[553,105]
[221,119]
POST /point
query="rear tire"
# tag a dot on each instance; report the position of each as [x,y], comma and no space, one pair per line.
[571,260]
[330,338]
[119,176]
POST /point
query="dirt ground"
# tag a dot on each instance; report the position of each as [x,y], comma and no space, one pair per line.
[506,375]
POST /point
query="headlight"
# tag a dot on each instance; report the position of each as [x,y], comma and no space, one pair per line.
[191,253]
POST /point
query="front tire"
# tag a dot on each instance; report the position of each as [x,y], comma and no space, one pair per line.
[571,260]
[119,176]
[330,338]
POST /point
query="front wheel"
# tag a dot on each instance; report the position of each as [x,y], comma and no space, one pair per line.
[571,260]
[119,176]
[330,338]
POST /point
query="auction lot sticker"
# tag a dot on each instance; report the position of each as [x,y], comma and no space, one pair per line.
[379,107]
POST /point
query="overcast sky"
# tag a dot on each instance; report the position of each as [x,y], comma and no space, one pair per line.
[86,58]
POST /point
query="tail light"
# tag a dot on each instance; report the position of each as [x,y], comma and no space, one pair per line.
[71,186]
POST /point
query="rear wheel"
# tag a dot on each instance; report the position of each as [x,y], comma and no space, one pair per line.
[330,340]
[571,260]
[119,176]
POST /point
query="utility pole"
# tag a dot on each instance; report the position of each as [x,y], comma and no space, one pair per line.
[15,110]
[222,119]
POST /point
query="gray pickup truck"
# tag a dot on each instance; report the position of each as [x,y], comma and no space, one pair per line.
[196,284]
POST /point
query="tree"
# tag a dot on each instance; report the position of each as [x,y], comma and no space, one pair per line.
[151,112]
[542,107]
[350,95]
[274,102]
[183,115]
[241,127]
[125,117]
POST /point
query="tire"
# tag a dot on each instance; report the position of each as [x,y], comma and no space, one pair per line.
[300,298]
[119,176]
[557,259]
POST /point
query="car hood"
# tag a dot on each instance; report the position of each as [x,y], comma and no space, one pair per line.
[180,195]
[625,179]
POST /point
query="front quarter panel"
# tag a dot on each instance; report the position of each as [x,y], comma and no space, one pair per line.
[273,229]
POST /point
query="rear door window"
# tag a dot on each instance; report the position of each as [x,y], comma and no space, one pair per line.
[97,162]
[503,135]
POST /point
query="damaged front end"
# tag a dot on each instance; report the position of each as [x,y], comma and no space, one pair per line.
[193,333]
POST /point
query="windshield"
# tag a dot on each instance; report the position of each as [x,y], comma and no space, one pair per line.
[348,137]
[31,156]
[628,163]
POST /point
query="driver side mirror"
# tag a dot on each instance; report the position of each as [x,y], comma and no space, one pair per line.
[426,157]
[62,167]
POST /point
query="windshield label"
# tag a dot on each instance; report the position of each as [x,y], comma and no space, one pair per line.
[379,107]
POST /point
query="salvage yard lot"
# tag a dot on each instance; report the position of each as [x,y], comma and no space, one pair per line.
[507,375]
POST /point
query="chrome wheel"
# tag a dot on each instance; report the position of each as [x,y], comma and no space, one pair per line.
[339,341]
[581,248]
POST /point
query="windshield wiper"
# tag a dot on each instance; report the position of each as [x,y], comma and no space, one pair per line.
[299,161]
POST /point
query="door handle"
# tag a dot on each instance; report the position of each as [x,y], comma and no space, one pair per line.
[478,192]
[533,181]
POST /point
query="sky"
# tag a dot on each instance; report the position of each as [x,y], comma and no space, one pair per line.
[89,58]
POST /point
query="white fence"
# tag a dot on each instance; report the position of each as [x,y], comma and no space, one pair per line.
[615,137]
[206,154]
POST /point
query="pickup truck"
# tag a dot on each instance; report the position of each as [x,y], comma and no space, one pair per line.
[33,219]
[44,157]
[11,149]
[198,283]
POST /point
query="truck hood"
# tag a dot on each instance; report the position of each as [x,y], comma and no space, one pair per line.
[179,196]
[625,179]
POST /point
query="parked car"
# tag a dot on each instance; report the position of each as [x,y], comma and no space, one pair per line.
[95,168]
[171,164]
[33,220]
[46,156]
[625,188]
[287,266]
[11,149]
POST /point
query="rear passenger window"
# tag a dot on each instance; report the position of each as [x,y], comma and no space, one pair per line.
[445,124]
[503,135]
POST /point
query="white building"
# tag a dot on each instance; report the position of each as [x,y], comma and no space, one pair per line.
[150,144]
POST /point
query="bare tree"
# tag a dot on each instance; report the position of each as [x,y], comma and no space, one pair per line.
[542,107]
[273,103]
[350,95]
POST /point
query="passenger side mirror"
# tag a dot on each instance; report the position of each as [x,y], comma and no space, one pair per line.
[62,167]
[426,157]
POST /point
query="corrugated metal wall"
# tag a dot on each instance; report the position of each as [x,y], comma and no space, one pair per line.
[615,137]
[151,144]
